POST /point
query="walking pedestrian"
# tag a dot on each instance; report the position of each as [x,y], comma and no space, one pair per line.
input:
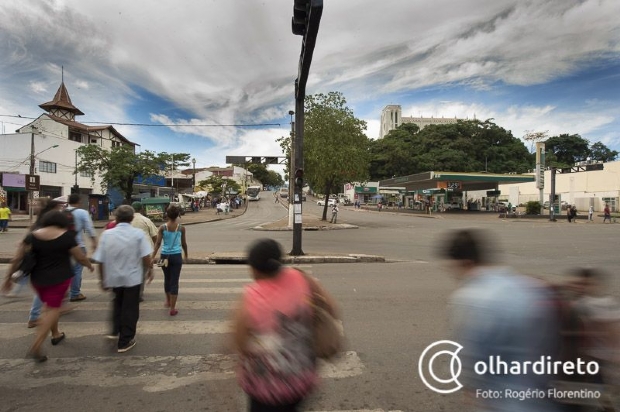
[272,331]
[334,213]
[498,313]
[606,213]
[5,216]
[54,246]
[83,223]
[172,235]
[590,213]
[124,257]
[148,227]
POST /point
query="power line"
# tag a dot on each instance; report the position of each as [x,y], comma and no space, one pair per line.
[159,125]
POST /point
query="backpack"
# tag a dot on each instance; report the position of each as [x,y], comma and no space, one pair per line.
[71,218]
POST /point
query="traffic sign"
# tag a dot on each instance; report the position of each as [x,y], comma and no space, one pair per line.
[33,182]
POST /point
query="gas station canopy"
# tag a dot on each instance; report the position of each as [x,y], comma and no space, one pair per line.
[455,181]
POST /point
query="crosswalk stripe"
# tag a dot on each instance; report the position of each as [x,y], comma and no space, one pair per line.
[86,306]
[182,290]
[123,370]
[145,327]
[182,281]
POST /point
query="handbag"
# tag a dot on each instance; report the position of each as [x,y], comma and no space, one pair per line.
[29,261]
[327,331]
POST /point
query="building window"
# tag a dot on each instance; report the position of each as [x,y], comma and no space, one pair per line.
[115,144]
[47,167]
[75,136]
[86,174]
[93,140]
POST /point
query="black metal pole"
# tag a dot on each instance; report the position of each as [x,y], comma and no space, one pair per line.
[298,163]
[552,196]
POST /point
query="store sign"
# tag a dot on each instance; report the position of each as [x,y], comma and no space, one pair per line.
[33,182]
[13,180]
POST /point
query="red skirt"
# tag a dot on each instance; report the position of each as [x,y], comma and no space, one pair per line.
[52,295]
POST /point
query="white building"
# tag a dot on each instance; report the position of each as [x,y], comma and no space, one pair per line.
[52,140]
[391,118]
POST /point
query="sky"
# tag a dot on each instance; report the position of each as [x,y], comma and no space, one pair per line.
[195,67]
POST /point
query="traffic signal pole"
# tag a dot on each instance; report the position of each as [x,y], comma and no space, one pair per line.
[305,22]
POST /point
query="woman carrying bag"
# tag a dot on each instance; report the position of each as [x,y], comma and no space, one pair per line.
[53,246]
[274,332]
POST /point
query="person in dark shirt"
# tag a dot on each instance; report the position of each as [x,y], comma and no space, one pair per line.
[51,277]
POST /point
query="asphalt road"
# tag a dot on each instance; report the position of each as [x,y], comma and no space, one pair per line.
[391,312]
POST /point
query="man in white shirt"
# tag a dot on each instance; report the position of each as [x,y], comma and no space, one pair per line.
[124,256]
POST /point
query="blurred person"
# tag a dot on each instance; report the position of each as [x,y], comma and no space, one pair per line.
[83,223]
[600,315]
[148,227]
[334,213]
[172,235]
[124,257]
[606,213]
[590,213]
[497,312]
[273,332]
[5,216]
[53,246]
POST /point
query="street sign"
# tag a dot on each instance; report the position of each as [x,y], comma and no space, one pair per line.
[33,182]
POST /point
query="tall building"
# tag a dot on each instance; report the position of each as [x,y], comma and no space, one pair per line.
[391,118]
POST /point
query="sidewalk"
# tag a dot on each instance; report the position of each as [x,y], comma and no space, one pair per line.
[309,222]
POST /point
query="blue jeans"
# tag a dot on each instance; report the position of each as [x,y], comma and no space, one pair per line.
[4,223]
[76,283]
[35,309]
[172,273]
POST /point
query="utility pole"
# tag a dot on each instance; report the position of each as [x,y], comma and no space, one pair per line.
[30,192]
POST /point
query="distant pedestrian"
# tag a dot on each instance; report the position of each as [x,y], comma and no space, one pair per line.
[82,223]
[124,256]
[171,238]
[591,213]
[5,216]
[606,213]
[569,214]
[93,212]
[334,213]
[573,213]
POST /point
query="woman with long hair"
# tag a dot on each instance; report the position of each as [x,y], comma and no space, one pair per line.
[172,235]
[53,245]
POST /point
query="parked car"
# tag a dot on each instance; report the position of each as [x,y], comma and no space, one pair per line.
[322,202]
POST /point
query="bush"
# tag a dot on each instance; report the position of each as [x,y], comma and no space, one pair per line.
[532,208]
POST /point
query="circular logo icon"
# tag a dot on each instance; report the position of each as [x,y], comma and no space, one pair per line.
[426,366]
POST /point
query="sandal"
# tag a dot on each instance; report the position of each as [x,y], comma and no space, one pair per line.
[56,341]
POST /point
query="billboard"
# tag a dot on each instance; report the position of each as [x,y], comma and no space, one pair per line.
[13,180]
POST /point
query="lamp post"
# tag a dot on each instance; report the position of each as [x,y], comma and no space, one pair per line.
[291,172]
[32,172]
[194,175]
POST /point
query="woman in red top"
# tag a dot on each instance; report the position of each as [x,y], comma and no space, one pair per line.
[273,332]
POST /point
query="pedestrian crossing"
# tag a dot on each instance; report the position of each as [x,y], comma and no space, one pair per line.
[194,343]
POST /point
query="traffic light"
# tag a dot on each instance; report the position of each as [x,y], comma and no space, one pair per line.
[300,17]
[299,178]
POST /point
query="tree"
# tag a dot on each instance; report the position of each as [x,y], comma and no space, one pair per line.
[335,146]
[174,161]
[118,167]
[600,152]
[265,176]
[215,184]
[465,146]
[565,150]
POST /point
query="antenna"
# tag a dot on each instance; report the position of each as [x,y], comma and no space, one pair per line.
[62,74]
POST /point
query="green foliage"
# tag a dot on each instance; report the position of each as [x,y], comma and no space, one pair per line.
[532,208]
[565,150]
[335,145]
[173,161]
[598,151]
[265,176]
[215,184]
[465,146]
[118,167]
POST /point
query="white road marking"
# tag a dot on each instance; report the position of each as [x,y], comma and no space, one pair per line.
[87,306]
[154,373]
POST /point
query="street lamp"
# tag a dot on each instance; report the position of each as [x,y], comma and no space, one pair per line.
[194,175]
